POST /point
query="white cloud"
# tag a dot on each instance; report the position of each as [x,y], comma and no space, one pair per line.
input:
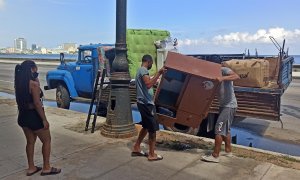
[2,3]
[261,36]
[191,42]
[237,42]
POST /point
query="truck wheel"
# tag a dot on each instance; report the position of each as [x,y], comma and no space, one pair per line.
[182,129]
[62,97]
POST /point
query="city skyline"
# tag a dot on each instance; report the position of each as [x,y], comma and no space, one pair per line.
[214,26]
[36,44]
[20,46]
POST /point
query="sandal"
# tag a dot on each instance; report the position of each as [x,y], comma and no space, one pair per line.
[141,153]
[53,171]
[158,158]
[32,173]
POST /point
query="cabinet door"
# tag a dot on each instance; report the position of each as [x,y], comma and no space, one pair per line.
[198,96]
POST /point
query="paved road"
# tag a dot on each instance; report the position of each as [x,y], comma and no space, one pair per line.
[7,78]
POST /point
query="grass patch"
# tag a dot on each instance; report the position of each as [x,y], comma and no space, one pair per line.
[288,158]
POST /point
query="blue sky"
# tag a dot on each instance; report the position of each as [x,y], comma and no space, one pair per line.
[211,26]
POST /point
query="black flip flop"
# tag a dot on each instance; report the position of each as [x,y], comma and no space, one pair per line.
[141,153]
[32,173]
[53,171]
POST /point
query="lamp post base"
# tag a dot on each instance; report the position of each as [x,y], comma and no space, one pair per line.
[119,123]
[114,131]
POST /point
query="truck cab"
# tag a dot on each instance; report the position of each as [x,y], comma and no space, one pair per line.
[76,79]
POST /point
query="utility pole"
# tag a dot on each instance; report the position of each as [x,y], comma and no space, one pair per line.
[119,123]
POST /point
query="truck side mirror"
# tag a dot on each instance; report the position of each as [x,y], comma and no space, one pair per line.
[62,58]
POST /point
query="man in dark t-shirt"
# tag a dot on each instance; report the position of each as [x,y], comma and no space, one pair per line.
[144,93]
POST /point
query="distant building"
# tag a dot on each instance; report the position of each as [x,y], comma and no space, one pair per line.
[69,47]
[10,50]
[20,44]
[33,47]
[44,50]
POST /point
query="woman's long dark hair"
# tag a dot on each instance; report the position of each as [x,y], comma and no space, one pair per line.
[23,75]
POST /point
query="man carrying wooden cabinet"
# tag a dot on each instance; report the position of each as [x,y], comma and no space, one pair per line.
[146,107]
[227,109]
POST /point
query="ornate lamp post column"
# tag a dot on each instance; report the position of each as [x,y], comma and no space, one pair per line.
[119,122]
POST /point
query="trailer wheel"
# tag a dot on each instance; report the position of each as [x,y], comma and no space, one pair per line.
[203,130]
[182,129]
[177,127]
[205,124]
[62,97]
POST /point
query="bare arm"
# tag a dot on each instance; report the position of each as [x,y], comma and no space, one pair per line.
[230,77]
[151,81]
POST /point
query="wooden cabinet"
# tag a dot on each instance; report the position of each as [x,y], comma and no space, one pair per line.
[187,89]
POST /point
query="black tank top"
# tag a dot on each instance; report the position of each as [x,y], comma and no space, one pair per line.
[41,97]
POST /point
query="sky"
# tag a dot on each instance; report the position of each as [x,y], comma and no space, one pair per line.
[201,26]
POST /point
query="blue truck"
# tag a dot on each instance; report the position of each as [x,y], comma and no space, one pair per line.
[75,80]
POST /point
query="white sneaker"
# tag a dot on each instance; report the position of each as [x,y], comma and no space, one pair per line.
[210,158]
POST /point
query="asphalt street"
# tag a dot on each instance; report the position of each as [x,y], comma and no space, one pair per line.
[7,78]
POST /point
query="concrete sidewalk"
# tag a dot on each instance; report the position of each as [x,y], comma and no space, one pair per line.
[83,155]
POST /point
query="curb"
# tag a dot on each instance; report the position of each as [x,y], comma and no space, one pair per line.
[233,145]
